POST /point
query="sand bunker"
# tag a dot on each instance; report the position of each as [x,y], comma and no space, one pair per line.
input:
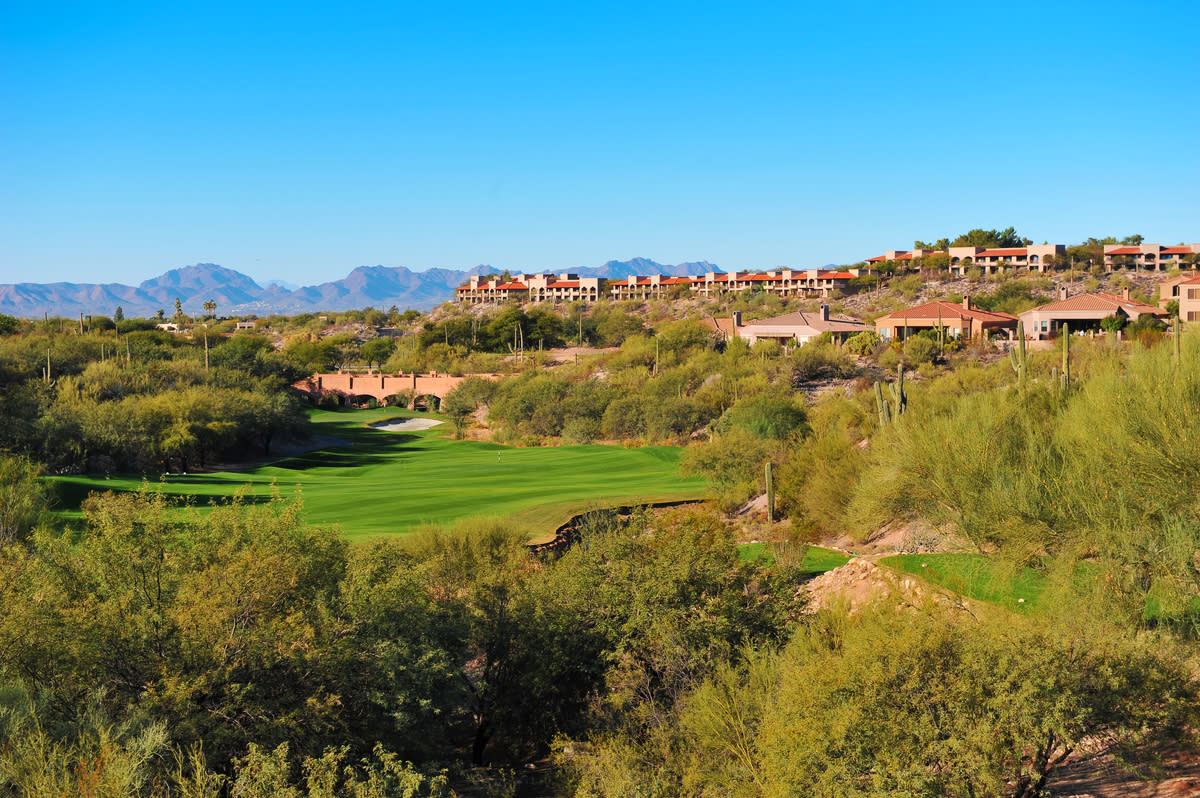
[406,424]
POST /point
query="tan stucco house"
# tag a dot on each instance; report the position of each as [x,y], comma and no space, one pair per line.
[1083,312]
[959,319]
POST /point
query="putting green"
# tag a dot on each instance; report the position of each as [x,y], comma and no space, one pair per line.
[375,482]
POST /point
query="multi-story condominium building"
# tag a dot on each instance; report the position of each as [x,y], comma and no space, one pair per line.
[531,288]
[784,282]
[903,255]
[1184,289]
[1149,256]
[570,288]
[655,286]
[1035,257]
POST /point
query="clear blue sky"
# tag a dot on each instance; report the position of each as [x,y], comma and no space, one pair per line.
[298,140]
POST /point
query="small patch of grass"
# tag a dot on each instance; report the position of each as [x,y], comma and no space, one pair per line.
[976,577]
[816,559]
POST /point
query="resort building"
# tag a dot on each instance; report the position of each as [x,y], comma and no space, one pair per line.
[531,288]
[1150,256]
[794,328]
[783,282]
[959,319]
[1083,312]
[570,288]
[904,255]
[1036,257]
[1185,289]
[656,286]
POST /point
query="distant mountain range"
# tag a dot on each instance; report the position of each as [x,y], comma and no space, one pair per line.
[235,293]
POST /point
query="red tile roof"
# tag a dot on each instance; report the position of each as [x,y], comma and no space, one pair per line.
[948,310]
[722,325]
[513,287]
[1124,251]
[1000,253]
[1129,303]
[1177,250]
[811,320]
[1099,302]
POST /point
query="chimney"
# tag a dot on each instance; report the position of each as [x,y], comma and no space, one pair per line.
[737,319]
[824,313]
[1062,293]
[1125,293]
[966,301]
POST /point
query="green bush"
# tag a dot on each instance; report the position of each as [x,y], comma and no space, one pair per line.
[763,417]
[920,349]
[864,343]
[821,360]
[581,429]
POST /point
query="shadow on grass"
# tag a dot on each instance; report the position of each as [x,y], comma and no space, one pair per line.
[368,453]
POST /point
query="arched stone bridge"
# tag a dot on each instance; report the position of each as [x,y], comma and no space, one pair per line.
[381,387]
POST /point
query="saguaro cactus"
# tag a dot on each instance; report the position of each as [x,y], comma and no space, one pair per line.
[770,479]
[1017,356]
[898,392]
[890,408]
[1066,362]
[885,413]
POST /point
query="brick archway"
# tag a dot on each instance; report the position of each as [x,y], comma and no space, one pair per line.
[382,386]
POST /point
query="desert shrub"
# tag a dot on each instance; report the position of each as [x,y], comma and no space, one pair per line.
[863,343]
[889,357]
[764,417]
[624,418]
[732,463]
[920,349]
[581,429]
[821,360]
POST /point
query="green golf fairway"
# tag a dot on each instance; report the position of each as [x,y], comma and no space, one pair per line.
[374,482]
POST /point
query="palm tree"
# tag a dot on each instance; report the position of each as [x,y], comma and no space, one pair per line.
[210,307]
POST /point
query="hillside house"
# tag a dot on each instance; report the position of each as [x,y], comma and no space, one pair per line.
[796,328]
[1083,312]
[958,319]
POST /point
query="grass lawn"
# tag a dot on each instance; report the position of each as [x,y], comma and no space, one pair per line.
[975,576]
[383,483]
[816,559]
